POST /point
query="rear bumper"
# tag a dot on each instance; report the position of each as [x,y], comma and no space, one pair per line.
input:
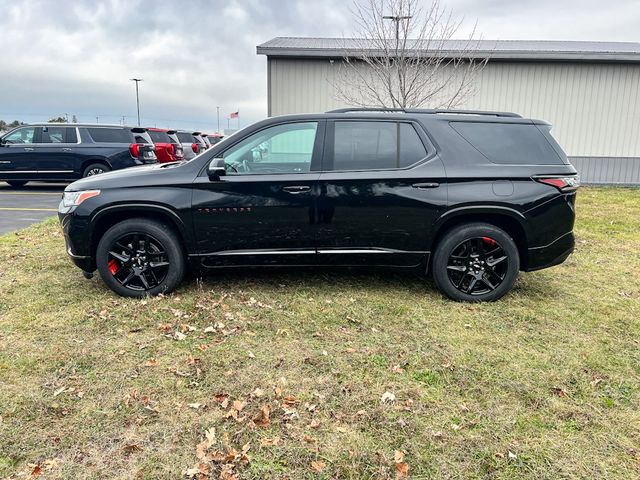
[552,254]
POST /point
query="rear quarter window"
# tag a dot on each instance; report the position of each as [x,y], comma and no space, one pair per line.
[512,143]
[110,135]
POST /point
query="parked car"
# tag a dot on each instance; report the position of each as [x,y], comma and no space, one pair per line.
[190,147]
[213,138]
[63,152]
[471,197]
[168,148]
[202,144]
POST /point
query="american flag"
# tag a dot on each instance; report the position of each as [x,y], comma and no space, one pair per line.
[234,114]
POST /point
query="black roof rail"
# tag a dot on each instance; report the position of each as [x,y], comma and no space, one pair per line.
[427,110]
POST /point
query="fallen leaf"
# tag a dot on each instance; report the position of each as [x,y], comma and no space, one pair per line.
[402,470]
[262,418]
[258,392]
[318,466]
[315,423]
[238,405]
[398,456]
[308,439]
[152,362]
[270,442]
[59,391]
[397,369]
[195,406]
[512,456]
[132,448]
[388,397]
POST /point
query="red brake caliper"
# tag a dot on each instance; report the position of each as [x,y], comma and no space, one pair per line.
[489,241]
[113,266]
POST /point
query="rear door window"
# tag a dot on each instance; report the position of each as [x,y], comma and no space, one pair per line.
[109,135]
[185,137]
[159,137]
[58,135]
[510,143]
[366,145]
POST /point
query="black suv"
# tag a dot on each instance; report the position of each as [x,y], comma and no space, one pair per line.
[472,197]
[63,152]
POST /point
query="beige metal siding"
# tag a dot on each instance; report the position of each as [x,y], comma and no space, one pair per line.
[594,107]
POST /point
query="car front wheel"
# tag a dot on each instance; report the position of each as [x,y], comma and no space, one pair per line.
[140,257]
[476,262]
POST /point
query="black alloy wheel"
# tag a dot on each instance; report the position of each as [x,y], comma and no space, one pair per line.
[140,257]
[475,262]
[138,261]
[477,266]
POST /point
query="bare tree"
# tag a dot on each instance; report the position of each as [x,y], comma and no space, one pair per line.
[405,56]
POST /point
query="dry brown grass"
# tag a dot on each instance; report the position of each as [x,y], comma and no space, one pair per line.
[543,384]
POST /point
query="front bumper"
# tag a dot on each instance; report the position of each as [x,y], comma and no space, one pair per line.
[76,239]
[552,254]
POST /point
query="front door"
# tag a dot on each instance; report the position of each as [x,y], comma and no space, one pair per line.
[261,211]
[381,190]
[17,155]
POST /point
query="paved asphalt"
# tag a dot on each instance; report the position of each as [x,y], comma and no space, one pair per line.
[21,207]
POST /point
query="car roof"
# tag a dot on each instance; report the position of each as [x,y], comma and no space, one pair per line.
[406,114]
[83,125]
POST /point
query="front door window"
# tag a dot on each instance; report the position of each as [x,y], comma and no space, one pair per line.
[286,148]
[21,136]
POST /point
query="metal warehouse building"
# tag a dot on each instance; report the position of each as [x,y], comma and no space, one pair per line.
[589,91]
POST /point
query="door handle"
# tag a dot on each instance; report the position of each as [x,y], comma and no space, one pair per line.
[426,185]
[66,149]
[296,189]
[28,149]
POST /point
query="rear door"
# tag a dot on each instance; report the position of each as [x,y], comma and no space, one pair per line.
[18,155]
[382,187]
[57,156]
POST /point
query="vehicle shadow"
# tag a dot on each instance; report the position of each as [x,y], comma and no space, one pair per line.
[34,187]
[339,278]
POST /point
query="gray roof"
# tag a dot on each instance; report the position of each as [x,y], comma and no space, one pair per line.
[545,50]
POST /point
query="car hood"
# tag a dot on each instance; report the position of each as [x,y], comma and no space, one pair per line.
[157,174]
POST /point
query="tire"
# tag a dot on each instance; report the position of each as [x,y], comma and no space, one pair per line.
[129,272]
[17,183]
[95,169]
[480,252]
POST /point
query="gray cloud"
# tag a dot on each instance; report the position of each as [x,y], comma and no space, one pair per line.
[76,56]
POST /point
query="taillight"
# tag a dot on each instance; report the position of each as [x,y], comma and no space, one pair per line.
[194,147]
[171,148]
[564,184]
[134,148]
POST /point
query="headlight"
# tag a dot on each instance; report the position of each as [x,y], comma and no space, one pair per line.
[73,199]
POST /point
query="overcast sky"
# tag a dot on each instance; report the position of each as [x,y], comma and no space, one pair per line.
[76,56]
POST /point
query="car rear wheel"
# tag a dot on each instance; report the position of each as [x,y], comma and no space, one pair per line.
[17,183]
[476,262]
[140,257]
[95,169]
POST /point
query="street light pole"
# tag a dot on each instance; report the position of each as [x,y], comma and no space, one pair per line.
[137,80]
[218,110]
[397,19]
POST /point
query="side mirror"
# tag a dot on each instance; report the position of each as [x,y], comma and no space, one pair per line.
[216,169]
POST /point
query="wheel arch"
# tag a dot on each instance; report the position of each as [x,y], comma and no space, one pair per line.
[509,220]
[101,160]
[110,216]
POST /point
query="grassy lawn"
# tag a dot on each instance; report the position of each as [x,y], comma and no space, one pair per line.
[325,374]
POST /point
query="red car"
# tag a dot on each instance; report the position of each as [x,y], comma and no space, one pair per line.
[168,147]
